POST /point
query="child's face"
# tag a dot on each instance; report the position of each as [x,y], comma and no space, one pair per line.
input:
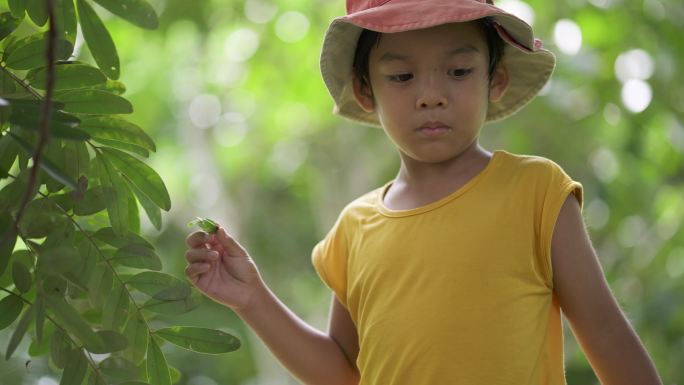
[430,89]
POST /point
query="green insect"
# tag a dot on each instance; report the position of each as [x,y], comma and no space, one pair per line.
[205,224]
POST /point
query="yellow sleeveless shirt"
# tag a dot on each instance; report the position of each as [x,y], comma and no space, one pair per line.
[459,291]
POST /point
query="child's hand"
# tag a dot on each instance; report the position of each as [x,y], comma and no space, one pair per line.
[221,268]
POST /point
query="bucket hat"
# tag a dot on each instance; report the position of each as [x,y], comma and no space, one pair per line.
[529,65]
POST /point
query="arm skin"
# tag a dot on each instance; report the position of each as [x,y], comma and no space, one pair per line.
[609,342]
[314,357]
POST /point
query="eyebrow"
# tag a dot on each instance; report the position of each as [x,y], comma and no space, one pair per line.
[394,56]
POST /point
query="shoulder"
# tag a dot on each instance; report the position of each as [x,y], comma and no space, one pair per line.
[530,164]
[533,173]
[360,208]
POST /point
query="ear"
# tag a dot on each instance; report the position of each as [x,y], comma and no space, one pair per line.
[499,82]
[363,95]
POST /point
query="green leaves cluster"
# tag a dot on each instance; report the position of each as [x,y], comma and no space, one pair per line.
[75,276]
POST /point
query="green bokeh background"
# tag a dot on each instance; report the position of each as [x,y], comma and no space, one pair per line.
[232,94]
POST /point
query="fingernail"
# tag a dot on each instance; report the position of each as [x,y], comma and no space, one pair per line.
[213,254]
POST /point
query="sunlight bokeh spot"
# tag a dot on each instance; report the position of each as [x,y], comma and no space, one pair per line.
[612,114]
[241,44]
[568,36]
[231,130]
[634,64]
[675,263]
[636,95]
[292,26]
[605,164]
[204,191]
[597,214]
[205,110]
[518,8]
[260,12]
[46,381]
[633,231]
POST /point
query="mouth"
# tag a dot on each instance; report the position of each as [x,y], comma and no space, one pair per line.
[433,129]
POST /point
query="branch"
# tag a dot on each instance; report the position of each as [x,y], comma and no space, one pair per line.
[44,116]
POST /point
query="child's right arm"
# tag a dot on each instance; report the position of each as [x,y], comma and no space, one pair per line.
[223,270]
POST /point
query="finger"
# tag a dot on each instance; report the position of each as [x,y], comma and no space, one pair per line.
[201,255]
[198,238]
[193,270]
[230,245]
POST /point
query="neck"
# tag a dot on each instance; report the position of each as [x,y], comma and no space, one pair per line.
[412,173]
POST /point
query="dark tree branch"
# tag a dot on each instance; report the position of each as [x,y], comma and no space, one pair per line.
[46,113]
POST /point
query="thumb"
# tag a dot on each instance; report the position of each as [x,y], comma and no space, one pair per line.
[230,245]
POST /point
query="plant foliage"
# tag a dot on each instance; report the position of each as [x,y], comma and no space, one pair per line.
[74,270]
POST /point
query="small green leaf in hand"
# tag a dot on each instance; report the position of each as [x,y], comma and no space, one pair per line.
[205,224]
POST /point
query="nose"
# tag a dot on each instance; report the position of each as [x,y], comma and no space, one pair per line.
[431,95]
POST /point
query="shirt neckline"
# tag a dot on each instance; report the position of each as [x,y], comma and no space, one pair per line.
[380,204]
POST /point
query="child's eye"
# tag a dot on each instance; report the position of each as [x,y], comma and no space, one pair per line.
[401,78]
[460,72]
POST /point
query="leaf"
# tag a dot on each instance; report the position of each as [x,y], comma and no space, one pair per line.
[73,321]
[65,19]
[42,347]
[157,368]
[172,307]
[55,285]
[48,166]
[19,332]
[153,212]
[99,285]
[116,194]
[8,153]
[135,149]
[68,76]
[10,308]
[160,285]
[200,340]
[27,115]
[142,176]
[98,39]
[92,202]
[59,348]
[117,129]
[77,161]
[133,214]
[17,7]
[138,12]
[37,11]
[75,368]
[120,368]
[138,256]
[40,218]
[8,23]
[86,101]
[111,342]
[136,333]
[29,52]
[21,277]
[8,237]
[59,260]
[39,306]
[108,236]
[115,311]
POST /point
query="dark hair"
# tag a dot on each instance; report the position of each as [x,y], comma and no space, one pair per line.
[369,38]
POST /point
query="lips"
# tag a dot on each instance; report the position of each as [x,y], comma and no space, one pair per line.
[433,129]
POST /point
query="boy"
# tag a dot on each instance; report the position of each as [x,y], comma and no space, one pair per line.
[456,271]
